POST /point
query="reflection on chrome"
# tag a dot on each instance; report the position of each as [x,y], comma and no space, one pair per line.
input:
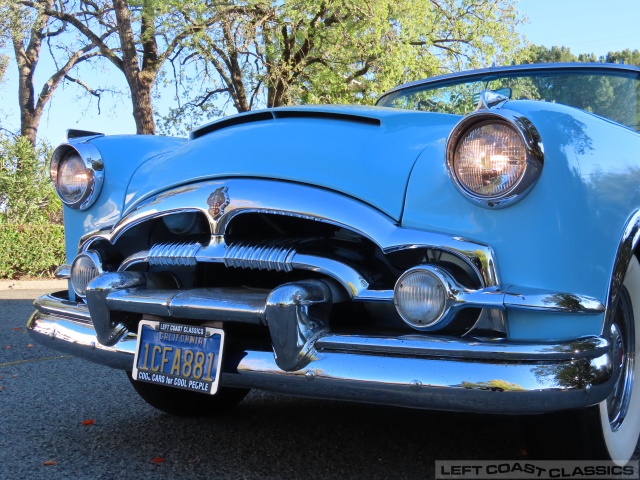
[538,379]
[301,202]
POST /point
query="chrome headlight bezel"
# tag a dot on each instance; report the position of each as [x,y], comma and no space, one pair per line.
[94,168]
[425,318]
[81,276]
[527,132]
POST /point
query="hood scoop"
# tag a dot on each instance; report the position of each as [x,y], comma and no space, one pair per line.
[284,113]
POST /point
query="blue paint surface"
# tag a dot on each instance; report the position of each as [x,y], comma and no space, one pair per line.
[562,236]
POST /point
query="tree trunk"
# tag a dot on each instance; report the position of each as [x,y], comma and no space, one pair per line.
[29,118]
[140,82]
[142,105]
[27,59]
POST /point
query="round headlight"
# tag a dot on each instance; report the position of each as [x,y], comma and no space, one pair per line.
[490,159]
[72,179]
[420,298]
[77,172]
[494,158]
[85,267]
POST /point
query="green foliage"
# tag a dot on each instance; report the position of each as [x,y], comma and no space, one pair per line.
[542,54]
[608,96]
[32,250]
[261,53]
[30,244]
[26,193]
[625,56]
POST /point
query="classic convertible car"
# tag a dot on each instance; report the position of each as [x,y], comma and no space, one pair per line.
[468,244]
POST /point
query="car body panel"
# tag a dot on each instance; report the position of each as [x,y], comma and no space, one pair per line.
[365,161]
[565,232]
[119,167]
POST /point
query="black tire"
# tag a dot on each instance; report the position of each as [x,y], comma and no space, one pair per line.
[609,430]
[184,403]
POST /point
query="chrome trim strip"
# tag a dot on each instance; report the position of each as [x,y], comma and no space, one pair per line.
[498,349]
[354,283]
[212,304]
[462,384]
[305,202]
[458,297]
[265,257]
[628,246]
[285,259]
[524,298]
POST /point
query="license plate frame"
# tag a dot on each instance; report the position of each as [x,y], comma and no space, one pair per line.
[158,345]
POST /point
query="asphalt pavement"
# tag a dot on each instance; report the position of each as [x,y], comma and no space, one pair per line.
[65,418]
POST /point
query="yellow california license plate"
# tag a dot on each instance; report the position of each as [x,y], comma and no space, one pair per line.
[180,356]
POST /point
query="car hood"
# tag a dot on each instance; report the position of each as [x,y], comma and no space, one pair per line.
[364,152]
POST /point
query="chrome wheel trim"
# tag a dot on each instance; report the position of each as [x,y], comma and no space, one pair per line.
[620,413]
[622,336]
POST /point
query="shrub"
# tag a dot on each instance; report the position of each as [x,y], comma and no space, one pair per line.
[31,237]
[32,250]
[26,192]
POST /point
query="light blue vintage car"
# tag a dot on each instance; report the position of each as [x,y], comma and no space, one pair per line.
[469,244]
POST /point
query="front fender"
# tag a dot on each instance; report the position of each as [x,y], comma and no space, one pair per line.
[122,155]
[565,233]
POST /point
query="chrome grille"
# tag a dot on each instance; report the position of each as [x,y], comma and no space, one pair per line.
[270,255]
[174,254]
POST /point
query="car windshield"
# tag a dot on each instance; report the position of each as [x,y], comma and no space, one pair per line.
[609,93]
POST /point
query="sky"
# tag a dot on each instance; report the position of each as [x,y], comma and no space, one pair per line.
[585,26]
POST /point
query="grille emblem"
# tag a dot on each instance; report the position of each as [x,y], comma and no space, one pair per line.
[217,202]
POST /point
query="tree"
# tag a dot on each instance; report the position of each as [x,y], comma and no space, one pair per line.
[625,56]
[4,60]
[28,27]
[260,53]
[145,34]
[605,95]
[542,54]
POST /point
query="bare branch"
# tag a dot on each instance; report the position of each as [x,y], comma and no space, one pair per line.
[95,93]
[82,28]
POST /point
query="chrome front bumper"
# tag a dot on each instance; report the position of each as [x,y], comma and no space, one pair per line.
[420,371]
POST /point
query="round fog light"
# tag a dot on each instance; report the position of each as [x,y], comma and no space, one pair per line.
[420,298]
[85,268]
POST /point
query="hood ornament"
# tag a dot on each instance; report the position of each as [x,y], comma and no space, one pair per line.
[217,202]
